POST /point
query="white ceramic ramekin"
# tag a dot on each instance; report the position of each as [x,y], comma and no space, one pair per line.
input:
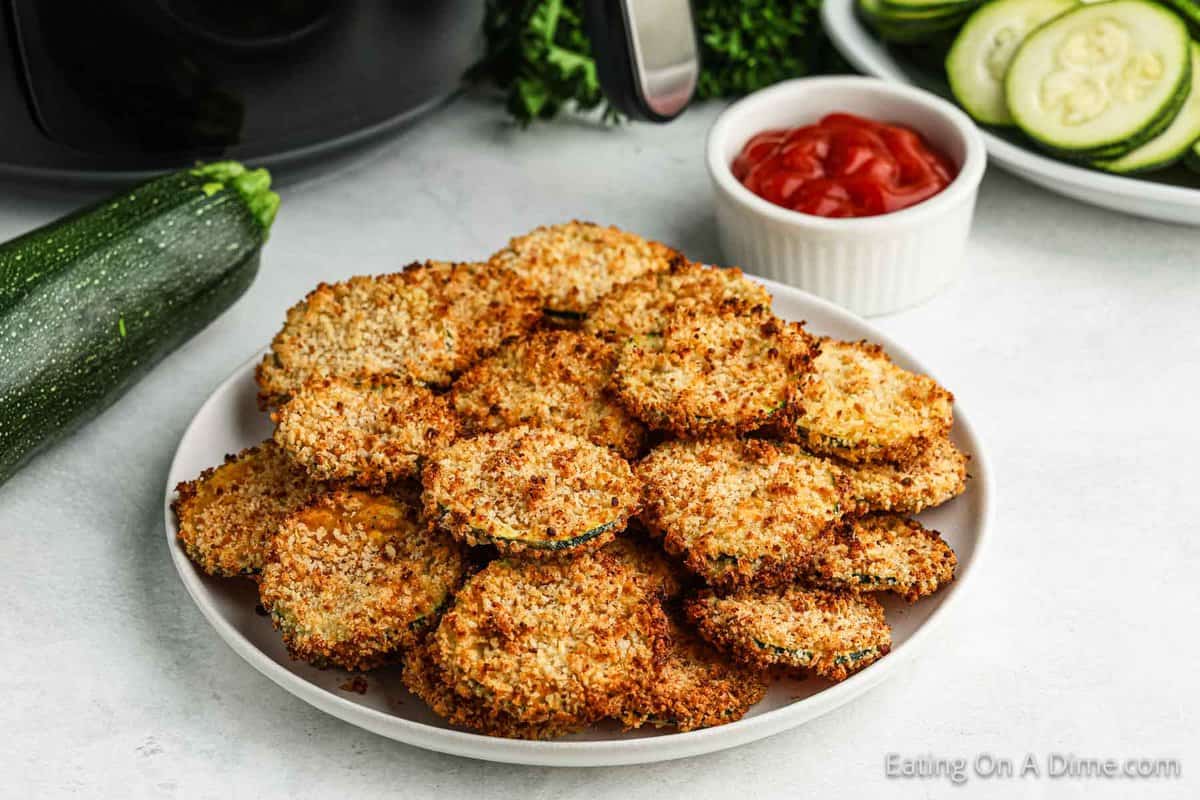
[870,265]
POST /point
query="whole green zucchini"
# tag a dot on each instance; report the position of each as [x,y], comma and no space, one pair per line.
[90,302]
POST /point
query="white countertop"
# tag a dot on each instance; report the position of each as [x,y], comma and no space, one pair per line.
[1074,340]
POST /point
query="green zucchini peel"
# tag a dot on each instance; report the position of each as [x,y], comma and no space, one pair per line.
[804,656]
[518,537]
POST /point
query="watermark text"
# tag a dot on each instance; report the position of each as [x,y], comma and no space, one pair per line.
[959,770]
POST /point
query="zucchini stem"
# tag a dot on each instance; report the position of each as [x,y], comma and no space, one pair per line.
[253,186]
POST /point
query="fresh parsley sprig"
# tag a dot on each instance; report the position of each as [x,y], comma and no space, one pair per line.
[538,54]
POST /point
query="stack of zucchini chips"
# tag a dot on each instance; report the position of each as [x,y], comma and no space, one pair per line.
[1113,84]
[587,480]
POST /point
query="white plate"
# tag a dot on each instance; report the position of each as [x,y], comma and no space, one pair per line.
[1170,196]
[229,421]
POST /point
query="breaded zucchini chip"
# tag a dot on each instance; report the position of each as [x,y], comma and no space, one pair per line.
[940,474]
[533,491]
[431,321]
[558,643]
[423,677]
[646,558]
[644,305]
[368,431]
[725,372]
[228,514]
[355,578]
[742,512]
[833,634]
[887,553]
[696,686]
[575,264]
[555,379]
[862,408]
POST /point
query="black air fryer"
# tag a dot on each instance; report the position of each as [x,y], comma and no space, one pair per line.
[132,86]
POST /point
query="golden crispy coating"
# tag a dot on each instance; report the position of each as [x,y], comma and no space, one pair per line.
[742,512]
[430,321]
[552,643]
[862,408]
[575,264]
[367,431]
[721,373]
[938,475]
[696,686]
[355,578]
[752,540]
[664,576]
[534,491]
[555,379]
[424,678]
[830,633]
[644,305]
[887,553]
[228,514]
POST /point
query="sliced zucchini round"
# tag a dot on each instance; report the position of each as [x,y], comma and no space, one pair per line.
[565,642]
[355,578]
[742,513]
[886,552]
[915,25]
[554,379]
[1192,158]
[1190,11]
[715,373]
[979,58]
[695,686]
[1101,78]
[937,477]
[932,6]
[505,536]
[861,407]
[530,491]
[1174,142]
[229,513]
[831,634]
[573,265]
[925,34]
[877,13]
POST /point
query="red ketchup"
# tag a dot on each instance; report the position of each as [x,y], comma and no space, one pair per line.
[843,166]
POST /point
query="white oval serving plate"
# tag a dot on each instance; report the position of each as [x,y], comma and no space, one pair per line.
[230,420]
[1163,196]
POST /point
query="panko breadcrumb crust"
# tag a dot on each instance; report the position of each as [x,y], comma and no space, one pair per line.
[574,264]
[751,556]
[862,408]
[742,512]
[663,576]
[832,634]
[937,476]
[431,322]
[645,305]
[720,373]
[696,686]
[356,577]
[229,513]
[552,643]
[530,491]
[423,677]
[887,553]
[557,379]
[367,431]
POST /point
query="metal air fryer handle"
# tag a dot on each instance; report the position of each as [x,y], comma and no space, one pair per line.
[647,59]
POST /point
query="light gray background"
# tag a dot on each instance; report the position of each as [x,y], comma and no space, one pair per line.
[1074,339]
